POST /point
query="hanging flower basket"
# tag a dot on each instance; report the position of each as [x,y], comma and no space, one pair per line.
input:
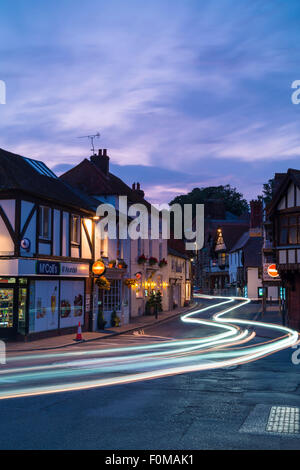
[103,283]
[130,282]
[122,265]
[142,259]
[163,262]
[153,261]
[112,263]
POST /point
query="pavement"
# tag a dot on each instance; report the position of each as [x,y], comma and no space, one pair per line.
[63,341]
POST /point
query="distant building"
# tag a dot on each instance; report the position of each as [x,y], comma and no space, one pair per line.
[221,231]
[245,258]
[179,273]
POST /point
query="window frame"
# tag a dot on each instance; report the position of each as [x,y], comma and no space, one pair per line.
[73,241]
[112,299]
[285,228]
[41,227]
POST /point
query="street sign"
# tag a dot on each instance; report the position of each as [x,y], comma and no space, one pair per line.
[99,268]
[272,270]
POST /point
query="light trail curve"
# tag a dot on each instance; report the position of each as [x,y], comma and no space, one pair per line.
[115,366]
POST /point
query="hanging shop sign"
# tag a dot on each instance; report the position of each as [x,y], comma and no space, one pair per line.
[99,268]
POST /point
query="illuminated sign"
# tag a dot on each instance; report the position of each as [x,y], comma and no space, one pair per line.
[99,268]
[272,271]
[51,268]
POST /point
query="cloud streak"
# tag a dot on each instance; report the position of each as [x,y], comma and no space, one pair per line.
[179,86]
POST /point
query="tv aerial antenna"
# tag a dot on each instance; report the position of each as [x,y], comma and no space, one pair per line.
[92,138]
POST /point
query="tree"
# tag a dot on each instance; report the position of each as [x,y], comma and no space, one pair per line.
[233,200]
[268,191]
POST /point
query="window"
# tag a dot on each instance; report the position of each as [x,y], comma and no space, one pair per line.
[289,230]
[223,260]
[75,229]
[45,223]
[112,298]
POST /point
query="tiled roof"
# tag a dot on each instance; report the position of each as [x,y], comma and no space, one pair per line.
[88,177]
[252,249]
[23,174]
[284,181]
[231,232]
[177,248]
[253,252]
[241,242]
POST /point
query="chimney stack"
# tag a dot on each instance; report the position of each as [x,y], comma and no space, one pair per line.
[256,218]
[101,161]
[137,189]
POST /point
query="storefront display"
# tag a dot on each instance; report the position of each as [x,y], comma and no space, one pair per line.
[6,307]
[44,305]
[71,303]
[38,303]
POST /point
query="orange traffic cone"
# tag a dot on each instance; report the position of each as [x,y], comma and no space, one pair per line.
[79,333]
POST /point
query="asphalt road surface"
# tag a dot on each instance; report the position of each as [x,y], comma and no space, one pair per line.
[214,408]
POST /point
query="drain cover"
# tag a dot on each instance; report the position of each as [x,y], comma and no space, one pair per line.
[272,421]
[283,419]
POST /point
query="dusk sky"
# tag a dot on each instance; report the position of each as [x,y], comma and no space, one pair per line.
[184,93]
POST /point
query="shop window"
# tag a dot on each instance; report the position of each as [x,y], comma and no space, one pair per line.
[71,303]
[43,305]
[45,223]
[75,229]
[6,307]
[112,298]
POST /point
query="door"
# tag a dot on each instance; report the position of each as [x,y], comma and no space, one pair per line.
[8,311]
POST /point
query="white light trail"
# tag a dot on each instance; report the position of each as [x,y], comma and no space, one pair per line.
[148,361]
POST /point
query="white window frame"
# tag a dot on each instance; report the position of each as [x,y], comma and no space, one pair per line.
[78,232]
[44,234]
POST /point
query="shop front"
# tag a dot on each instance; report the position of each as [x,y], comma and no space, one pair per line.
[41,298]
[112,301]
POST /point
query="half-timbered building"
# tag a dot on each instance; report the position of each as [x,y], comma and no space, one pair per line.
[284,215]
[46,250]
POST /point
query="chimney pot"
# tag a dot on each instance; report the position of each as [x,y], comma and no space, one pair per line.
[101,161]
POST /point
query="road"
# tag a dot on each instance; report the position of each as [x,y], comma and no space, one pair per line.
[214,408]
